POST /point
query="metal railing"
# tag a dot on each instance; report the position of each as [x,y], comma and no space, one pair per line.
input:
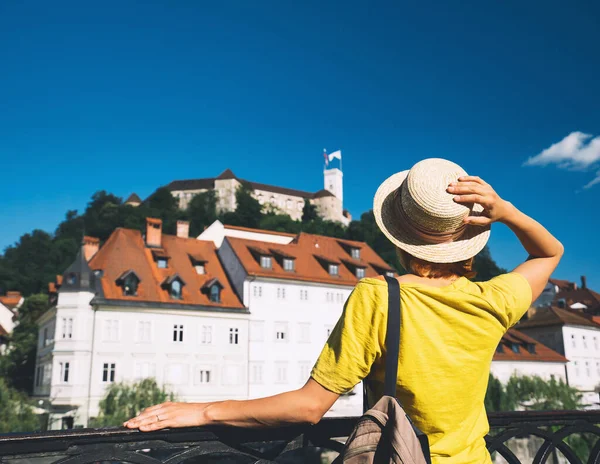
[556,436]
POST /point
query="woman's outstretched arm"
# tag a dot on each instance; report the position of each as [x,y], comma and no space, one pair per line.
[306,405]
[545,251]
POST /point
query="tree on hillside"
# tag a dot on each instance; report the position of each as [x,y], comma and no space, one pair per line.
[248,211]
[201,212]
[16,414]
[17,365]
[309,212]
[485,266]
[123,401]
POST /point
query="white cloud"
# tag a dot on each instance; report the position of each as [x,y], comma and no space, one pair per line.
[593,182]
[576,151]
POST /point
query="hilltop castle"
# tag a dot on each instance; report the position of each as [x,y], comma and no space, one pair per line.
[329,201]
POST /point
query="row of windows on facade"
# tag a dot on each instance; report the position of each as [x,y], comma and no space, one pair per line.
[288,265]
[330,297]
[177,373]
[131,283]
[515,347]
[111,332]
[262,199]
[588,366]
[584,341]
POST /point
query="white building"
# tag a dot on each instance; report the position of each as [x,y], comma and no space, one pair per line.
[520,355]
[577,338]
[160,307]
[328,201]
[294,288]
[9,307]
[243,321]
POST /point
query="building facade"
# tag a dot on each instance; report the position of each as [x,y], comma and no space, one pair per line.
[328,201]
[209,318]
[520,355]
[294,288]
[577,338]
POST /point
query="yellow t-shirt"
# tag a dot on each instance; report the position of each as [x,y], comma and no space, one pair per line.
[448,337]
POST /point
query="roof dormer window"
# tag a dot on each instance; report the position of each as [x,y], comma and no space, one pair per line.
[174,284]
[360,272]
[334,269]
[161,258]
[215,294]
[213,289]
[176,289]
[288,264]
[515,347]
[199,263]
[500,348]
[355,253]
[129,282]
[265,262]
[531,347]
[72,279]
[390,273]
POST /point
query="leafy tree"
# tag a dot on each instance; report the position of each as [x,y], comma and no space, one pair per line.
[531,393]
[202,211]
[485,266]
[248,211]
[280,223]
[123,401]
[18,364]
[309,212]
[16,415]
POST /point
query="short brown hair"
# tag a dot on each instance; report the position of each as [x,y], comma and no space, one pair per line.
[430,270]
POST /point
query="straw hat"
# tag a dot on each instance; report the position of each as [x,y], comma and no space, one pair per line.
[417,214]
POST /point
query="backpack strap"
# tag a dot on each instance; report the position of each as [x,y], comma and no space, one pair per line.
[392,343]
[392,337]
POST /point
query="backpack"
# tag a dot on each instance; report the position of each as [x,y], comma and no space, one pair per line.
[385,433]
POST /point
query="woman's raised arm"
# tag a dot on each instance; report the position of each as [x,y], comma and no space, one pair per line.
[545,251]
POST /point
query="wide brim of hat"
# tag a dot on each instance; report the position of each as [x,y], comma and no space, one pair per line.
[468,245]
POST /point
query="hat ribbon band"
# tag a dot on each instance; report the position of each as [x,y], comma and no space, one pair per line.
[428,236]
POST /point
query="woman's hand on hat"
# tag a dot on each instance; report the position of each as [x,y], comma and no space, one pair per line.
[472,189]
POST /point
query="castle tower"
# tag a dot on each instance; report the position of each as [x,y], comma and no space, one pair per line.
[334,182]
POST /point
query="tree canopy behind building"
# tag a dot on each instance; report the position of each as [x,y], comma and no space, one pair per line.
[37,257]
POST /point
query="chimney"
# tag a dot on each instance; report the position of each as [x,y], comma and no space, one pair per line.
[153,232]
[90,247]
[583,282]
[183,229]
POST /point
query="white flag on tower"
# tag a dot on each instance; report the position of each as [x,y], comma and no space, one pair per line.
[335,154]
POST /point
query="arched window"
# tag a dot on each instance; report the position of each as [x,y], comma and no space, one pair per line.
[176,289]
[215,294]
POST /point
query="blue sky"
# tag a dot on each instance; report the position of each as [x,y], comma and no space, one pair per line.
[126,96]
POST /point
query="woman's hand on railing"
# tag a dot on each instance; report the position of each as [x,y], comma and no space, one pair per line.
[169,415]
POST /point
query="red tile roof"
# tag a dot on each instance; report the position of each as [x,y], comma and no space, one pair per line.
[308,250]
[542,352]
[588,297]
[11,300]
[553,316]
[125,250]
[562,284]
